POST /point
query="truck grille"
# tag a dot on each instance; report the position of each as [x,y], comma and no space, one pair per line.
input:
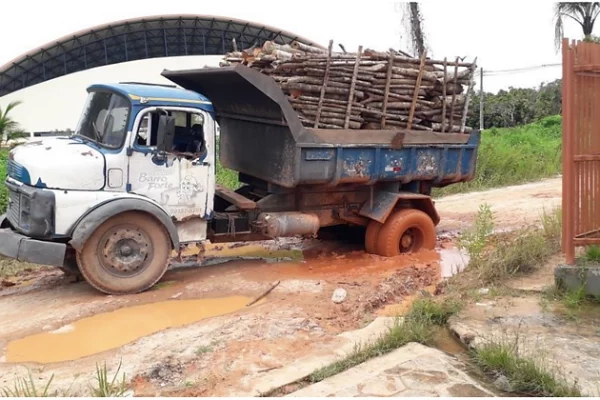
[14,207]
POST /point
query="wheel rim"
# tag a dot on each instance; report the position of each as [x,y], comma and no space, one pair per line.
[411,240]
[125,251]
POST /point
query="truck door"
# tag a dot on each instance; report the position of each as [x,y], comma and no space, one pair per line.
[182,182]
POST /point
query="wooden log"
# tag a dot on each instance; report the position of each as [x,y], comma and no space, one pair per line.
[329,100]
[317,81]
[463,121]
[408,82]
[392,95]
[444,94]
[307,48]
[374,124]
[453,128]
[304,87]
[330,114]
[378,55]
[328,108]
[310,123]
[386,90]
[453,95]
[416,94]
[336,121]
[339,74]
[394,105]
[324,85]
[352,88]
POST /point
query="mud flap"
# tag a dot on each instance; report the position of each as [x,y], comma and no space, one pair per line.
[383,202]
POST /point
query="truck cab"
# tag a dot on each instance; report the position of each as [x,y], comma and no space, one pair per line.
[146,150]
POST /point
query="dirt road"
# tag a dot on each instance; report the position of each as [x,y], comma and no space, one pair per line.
[194,335]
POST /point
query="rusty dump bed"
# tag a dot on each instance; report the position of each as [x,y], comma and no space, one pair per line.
[263,137]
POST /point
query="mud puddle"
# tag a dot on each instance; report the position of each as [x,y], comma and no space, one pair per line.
[111,330]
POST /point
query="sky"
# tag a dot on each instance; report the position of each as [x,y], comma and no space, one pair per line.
[502,35]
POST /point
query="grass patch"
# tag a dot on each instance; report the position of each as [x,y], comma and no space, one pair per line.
[575,301]
[10,267]
[510,156]
[203,350]
[26,387]
[108,388]
[496,257]
[525,375]
[419,325]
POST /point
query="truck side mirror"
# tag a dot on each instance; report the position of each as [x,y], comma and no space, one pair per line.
[165,133]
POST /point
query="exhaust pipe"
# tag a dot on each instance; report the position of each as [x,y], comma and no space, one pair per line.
[285,224]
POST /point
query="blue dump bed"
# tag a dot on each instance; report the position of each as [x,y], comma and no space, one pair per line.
[262,137]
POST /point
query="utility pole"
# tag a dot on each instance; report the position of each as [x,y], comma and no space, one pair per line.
[481,99]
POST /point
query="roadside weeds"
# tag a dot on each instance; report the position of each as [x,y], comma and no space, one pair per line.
[523,375]
[419,325]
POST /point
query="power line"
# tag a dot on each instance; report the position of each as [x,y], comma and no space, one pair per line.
[517,70]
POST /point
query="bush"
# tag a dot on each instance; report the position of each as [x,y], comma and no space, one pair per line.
[511,156]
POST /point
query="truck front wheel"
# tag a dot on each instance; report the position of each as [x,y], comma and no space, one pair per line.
[406,231]
[126,254]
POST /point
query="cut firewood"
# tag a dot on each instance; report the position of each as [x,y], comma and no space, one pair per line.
[357,90]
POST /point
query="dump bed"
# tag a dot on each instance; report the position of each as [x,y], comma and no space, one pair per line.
[262,136]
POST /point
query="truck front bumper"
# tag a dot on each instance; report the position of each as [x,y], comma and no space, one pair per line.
[23,248]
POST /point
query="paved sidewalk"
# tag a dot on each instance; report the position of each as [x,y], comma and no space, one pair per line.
[410,371]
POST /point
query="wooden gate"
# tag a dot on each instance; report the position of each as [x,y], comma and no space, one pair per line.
[581,146]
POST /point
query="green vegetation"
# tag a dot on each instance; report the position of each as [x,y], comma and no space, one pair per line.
[9,128]
[203,350]
[419,325]
[27,388]
[106,388]
[495,257]
[517,106]
[526,376]
[510,156]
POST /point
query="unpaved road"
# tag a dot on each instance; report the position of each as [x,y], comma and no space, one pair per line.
[194,335]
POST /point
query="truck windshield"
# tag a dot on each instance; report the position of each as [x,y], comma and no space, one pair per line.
[104,119]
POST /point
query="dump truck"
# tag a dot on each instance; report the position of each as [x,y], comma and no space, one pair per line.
[136,182]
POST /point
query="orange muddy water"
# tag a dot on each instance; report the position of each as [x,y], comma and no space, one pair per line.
[111,330]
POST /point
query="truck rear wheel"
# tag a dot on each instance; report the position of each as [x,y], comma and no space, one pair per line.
[371,236]
[406,231]
[126,254]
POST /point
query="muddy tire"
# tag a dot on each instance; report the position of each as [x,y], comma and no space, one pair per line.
[406,231]
[126,254]
[371,236]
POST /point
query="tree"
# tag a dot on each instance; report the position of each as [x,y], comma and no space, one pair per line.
[9,128]
[412,20]
[584,14]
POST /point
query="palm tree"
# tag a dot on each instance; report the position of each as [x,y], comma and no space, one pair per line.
[584,14]
[9,128]
[412,20]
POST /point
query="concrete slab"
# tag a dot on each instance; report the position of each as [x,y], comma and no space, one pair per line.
[413,370]
[574,277]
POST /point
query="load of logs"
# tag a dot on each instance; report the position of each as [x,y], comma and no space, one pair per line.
[367,89]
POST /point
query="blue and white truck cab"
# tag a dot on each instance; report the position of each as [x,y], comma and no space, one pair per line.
[136,180]
[116,161]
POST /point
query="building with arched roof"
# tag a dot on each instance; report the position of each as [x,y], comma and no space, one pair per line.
[136,39]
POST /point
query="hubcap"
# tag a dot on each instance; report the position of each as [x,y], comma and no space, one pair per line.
[125,251]
[411,240]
